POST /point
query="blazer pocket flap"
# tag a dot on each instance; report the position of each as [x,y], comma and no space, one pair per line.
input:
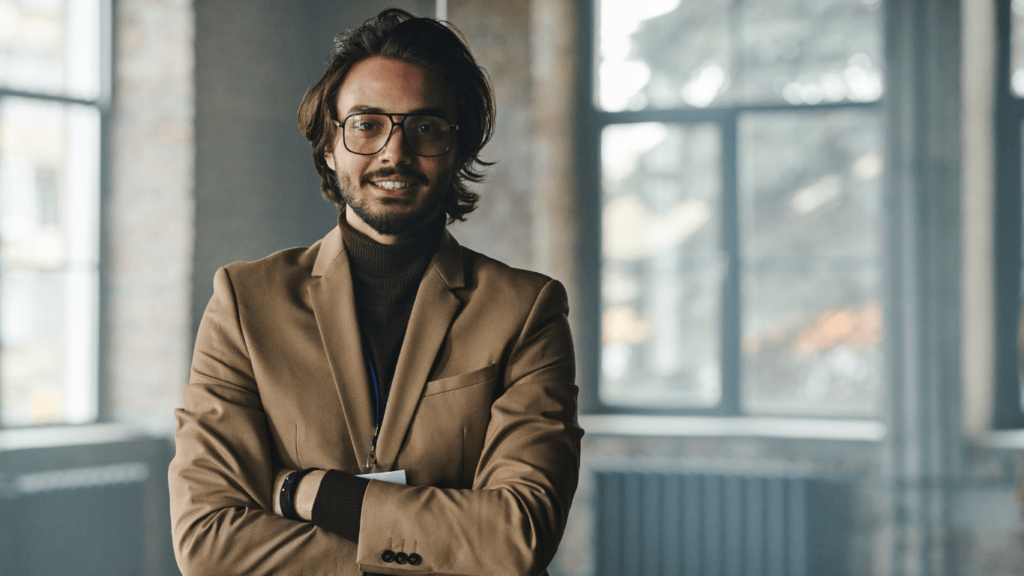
[461,381]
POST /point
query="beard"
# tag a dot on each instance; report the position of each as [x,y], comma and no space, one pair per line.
[392,222]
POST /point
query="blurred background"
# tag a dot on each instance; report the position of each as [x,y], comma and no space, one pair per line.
[791,232]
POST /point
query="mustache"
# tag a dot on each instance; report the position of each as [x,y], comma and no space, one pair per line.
[418,177]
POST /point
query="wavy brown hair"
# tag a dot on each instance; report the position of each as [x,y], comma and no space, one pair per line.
[425,42]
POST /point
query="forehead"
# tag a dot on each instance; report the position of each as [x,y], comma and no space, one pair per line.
[386,85]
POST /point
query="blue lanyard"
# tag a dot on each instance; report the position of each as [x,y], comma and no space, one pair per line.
[371,460]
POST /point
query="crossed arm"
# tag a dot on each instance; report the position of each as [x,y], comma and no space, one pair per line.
[224,477]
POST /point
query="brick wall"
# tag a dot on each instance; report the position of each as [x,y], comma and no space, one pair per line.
[149,210]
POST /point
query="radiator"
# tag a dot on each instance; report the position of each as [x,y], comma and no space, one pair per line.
[86,509]
[716,524]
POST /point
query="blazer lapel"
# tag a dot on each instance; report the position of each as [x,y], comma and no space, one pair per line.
[433,311]
[333,305]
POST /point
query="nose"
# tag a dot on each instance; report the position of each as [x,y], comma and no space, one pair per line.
[396,150]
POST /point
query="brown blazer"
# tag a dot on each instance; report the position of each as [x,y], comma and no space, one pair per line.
[482,417]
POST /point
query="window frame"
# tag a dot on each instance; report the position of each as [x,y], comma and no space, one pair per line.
[590,123]
[102,103]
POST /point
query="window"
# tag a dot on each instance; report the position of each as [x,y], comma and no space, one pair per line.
[52,93]
[740,149]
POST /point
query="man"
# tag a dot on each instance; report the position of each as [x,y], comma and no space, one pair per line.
[384,347]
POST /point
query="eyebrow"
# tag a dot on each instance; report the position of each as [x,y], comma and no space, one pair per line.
[375,110]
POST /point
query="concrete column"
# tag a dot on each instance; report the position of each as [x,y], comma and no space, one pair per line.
[978,70]
[925,445]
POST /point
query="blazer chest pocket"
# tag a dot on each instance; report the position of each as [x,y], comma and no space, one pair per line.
[446,436]
[461,381]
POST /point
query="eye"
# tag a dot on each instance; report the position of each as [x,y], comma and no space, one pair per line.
[364,124]
[427,126]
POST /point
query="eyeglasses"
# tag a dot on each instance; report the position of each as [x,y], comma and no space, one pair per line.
[368,134]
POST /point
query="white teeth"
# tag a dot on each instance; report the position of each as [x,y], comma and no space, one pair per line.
[390,185]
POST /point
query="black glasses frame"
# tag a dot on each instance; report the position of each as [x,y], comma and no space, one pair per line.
[391,130]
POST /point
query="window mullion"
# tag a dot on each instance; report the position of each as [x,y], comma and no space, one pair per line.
[731,311]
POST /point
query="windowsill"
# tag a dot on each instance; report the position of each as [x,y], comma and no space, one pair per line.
[738,427]
[999,439]
[56,436]
[594,424]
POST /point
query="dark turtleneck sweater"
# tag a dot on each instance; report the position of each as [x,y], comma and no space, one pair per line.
[385,279]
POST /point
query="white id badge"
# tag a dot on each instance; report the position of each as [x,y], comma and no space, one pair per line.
[395,476]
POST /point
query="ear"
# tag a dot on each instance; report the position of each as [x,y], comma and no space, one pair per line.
[329,158]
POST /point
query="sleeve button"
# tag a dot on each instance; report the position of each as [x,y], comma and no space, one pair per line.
[388,556]
[415,559]
[401,558]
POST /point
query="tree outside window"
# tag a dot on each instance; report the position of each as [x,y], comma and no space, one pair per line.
[742,244]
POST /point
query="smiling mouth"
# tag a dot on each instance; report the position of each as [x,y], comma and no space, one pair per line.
[393,184]
[394,179]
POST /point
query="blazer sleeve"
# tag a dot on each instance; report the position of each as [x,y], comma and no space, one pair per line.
[221,477]
[512,519]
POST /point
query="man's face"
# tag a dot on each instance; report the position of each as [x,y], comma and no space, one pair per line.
[394,190]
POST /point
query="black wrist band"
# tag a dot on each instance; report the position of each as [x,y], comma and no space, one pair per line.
[287,496]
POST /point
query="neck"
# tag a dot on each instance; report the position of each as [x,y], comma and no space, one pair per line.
[359,225]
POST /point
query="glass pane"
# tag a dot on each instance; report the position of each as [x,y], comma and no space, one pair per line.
[811,236]
[658,54]
[812,340]
[49,215]
[810,184]
[51,46]
[662,266]
[32,363]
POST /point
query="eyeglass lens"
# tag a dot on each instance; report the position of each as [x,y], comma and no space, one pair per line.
[369,133]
